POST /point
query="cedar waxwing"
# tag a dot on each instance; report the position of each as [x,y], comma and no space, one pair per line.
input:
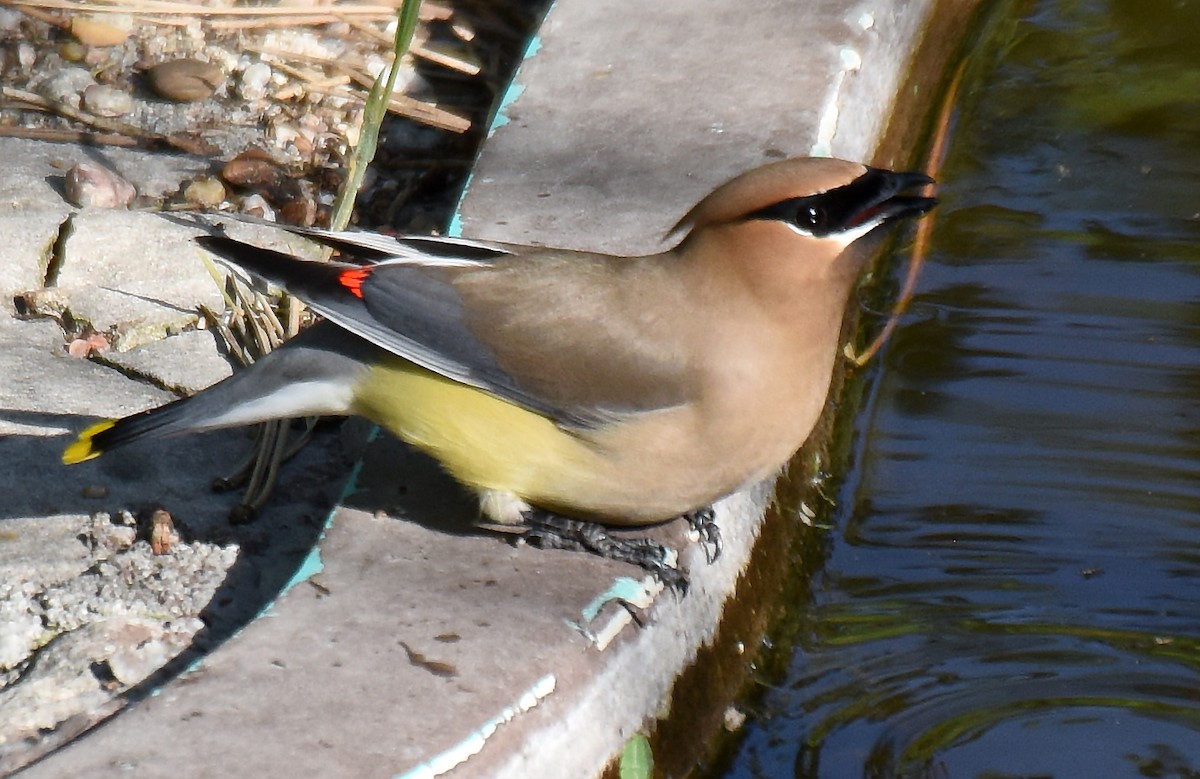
[618,390]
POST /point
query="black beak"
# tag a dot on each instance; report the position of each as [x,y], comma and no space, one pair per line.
[880,197]
[871,199]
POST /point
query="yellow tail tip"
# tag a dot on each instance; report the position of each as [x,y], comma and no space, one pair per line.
[82,448]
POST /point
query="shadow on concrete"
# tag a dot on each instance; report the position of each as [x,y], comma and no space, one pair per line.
[177,474]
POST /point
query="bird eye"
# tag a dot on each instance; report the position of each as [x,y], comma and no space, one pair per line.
[811,218]
[815,215]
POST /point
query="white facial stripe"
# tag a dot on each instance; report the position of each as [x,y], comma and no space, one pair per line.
[845,238]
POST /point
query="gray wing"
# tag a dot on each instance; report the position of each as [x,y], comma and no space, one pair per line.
[569,335]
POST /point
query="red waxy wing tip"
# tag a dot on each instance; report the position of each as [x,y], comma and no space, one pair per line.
[353,280]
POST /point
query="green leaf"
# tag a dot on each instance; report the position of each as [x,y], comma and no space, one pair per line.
[373,114]
[637,761]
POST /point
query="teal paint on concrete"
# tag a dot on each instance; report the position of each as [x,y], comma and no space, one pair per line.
[499,119]
[624,589]
[313,564]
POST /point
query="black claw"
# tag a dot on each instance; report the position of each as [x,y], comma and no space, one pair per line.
[552,531]
[704,522]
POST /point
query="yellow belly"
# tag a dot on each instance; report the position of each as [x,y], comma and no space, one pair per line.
[483,441]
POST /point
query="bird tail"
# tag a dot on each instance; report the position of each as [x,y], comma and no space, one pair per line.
[313,375]
[109,434]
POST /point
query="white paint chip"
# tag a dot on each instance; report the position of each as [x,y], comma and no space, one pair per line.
[851,61]
[473,743]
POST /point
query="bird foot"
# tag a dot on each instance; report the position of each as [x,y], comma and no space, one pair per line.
[552,531]
[704,523]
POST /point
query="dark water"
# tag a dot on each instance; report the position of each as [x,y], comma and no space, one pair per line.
[1013,584]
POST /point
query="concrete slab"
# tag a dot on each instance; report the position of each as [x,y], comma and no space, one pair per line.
[80,588]
[624,115]
[411,645]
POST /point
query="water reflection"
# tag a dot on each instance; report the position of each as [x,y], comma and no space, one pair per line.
[1013,587]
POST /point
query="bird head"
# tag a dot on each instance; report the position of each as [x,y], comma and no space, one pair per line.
[817,197]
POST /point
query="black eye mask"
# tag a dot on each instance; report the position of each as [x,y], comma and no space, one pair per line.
[872,197]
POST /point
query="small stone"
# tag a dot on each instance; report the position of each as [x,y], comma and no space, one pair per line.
[206,192]
[10,19]
[376,64]
[107,101]
[162,532]
[95,491]
[254,81]
[285,132]
[94,31]
[185,80]
[26,54]
[137,647]
[21,635]
[67,85]
[303,145]
[301,211]
[194,29]
[256,205]
[94,57]
[114,538]
[73,51]
[89,184]
[82,347]
[253,168]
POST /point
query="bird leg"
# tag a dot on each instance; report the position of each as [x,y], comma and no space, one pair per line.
[553,531]
[704,523]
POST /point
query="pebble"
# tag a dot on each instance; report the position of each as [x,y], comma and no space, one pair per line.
[255,80]
[10,19]
[22,633]
[107,101]
[89,184]
[163,535]
[406,75]
[67,85]
[73,51]
[253,168]
[95,491]
[257,205]
[93,31]
[133,661]
[301,211]
[185,80]
[26,54]
[107,537]
[206,192]
[284,132]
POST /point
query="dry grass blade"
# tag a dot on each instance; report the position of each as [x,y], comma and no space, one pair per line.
[68,136]
[402,105]
[920,250]
[32,100]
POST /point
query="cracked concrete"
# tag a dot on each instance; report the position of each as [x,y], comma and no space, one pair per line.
[87,609]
